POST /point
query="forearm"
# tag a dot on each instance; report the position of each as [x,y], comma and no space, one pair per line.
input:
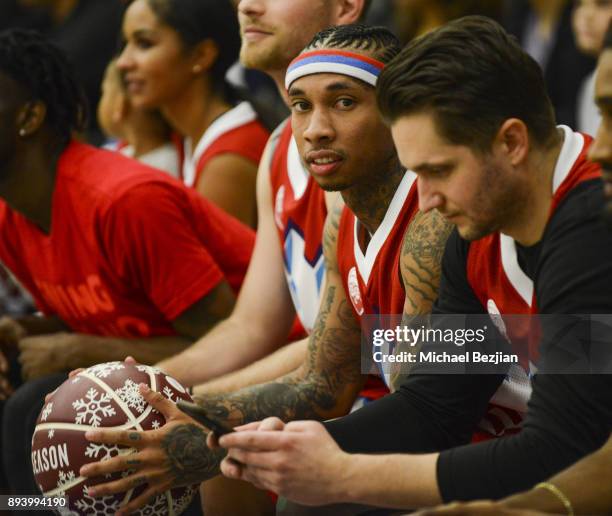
[92,349]
[569,417]
[288,398]
[41,325]
[278,364]
[585,484]
[307,393]
[229,346]
[394,481]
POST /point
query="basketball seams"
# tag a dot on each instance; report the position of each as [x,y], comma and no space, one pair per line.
[114,397]
[170,503]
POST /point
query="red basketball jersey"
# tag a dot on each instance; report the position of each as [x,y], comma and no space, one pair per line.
[503,288]
[372,280]
[237,132]
[299,215]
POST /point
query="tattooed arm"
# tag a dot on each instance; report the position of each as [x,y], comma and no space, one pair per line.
[420,267]
[323,387]
[174,455]
[329,379]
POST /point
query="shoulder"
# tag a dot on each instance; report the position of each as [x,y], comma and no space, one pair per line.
[426,235]
[574,271]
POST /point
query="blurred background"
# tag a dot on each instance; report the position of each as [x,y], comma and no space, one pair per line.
[562,35]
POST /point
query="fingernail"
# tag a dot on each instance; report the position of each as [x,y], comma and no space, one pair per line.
[83,471]
[144,387]
[91,435]
[91,491]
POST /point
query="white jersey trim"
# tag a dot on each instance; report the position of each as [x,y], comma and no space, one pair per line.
[520,281]
[298,175]
[573,144]
[242,114]
[366,262]
[572,147]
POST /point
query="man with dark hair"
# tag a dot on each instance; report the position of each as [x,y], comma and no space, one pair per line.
[111,275]
[469,115]
[584,487]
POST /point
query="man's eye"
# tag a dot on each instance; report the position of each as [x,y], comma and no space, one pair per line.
[345,103]
[300,106]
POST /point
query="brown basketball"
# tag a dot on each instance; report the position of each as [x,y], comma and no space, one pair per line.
[105,395]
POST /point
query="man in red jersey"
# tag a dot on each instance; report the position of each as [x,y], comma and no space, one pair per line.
[400,271]
[470,115]
[287,270]
[119,258]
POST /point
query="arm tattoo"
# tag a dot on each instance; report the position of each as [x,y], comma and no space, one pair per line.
[331,369]
[189,459]
[421,261]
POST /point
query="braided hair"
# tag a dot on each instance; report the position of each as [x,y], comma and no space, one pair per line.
[379,41]
[45,74]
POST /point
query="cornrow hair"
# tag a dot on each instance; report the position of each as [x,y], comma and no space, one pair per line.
[379,41]
[45,74]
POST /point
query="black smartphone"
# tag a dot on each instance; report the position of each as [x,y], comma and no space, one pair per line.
[199,414]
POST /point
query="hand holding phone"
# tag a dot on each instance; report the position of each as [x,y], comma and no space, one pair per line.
[201,416]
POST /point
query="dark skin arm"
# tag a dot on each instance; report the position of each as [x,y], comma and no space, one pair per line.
[45,354]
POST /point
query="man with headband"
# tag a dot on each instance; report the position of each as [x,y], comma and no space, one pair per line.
[470,115]
[381,257]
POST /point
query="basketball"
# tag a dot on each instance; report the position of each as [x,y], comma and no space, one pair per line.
[102,396]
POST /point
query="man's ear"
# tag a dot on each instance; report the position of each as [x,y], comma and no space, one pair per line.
[30,117]
[513,140]
[349,11]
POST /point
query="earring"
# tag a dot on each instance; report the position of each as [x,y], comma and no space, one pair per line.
[22,132]
[197,68]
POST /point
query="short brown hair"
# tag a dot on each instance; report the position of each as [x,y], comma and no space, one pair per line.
[472,76]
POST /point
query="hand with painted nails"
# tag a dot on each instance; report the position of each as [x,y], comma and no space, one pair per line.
[173,455]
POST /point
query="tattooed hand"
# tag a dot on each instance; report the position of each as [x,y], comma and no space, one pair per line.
[174,455]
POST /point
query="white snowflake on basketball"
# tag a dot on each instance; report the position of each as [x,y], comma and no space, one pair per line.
[108,452]
[47,410]
[148,369]
[130,395]
[51,433]
[183,502]
[104,370]
[158,508]
[64,479]
[93,409]
[64,511]
[169,393]
[156,424]
[107,505]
